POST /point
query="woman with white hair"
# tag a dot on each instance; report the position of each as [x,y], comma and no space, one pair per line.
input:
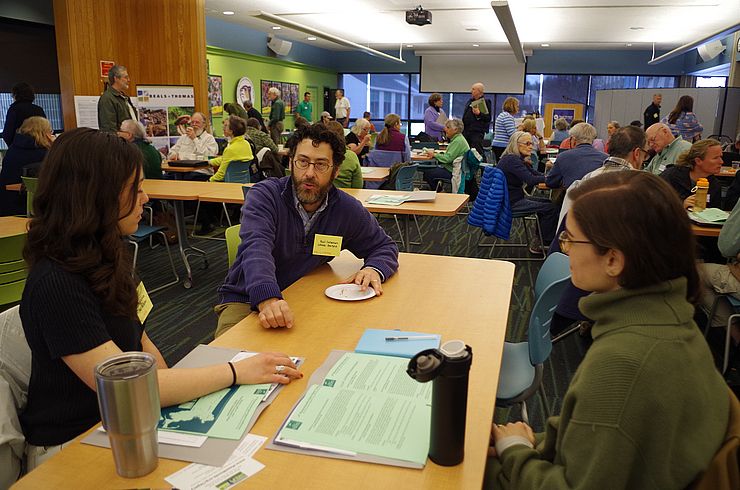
[518,174]
[457,148]
[358,139]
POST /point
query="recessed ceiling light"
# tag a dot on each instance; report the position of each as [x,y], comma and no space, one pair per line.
[629,44]
[409,45]
[476,45]
[276,28]
[636,28]
[545,45]
[228,12]
[311,38]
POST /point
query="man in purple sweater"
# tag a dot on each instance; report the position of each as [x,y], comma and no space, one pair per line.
[279,226]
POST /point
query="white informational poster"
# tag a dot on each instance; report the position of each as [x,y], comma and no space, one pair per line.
[165,112]
[86,111]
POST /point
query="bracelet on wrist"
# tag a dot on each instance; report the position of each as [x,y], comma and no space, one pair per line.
[233,374]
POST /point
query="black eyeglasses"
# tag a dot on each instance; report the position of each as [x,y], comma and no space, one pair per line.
[565,242]
[303,163]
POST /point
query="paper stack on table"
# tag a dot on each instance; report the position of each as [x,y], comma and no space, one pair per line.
[397,200]
[376,410]
[238,468]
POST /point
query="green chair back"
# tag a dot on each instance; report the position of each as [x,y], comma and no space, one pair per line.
[13,269]
[31,183]
[232,242]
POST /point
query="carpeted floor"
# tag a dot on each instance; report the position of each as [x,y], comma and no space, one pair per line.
[183,318]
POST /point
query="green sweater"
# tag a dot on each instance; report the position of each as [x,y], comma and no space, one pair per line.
[457,148]
[350,172]
[277,111]
[152,159]
[260,139]
[645,409]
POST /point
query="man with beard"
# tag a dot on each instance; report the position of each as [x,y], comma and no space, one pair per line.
[280,224]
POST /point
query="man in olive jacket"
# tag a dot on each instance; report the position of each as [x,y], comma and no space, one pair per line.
[114,106]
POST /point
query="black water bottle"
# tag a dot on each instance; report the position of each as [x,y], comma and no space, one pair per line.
[449,367]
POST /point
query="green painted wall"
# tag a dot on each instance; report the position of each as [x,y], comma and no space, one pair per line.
[233,65]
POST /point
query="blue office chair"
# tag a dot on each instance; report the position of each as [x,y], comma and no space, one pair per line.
[522,364]
[405,182]
[145,232]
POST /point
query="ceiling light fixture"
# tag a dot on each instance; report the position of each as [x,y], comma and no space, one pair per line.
[276,28]
[311,38]
[409,45]
[629,44]
[545,45]
[502,11]
[259,14]
[228,12]
[476,45]
[722,33]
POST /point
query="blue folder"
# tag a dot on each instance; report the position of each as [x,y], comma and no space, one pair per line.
[373,342]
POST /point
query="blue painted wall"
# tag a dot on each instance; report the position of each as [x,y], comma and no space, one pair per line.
[239,38]
[612,62]
[694,63]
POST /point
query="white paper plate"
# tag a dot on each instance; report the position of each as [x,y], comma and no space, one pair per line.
[349,292]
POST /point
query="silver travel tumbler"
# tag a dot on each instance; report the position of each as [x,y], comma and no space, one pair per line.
[128,397]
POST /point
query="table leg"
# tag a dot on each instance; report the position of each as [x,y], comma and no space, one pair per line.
[182,241]
[407,232]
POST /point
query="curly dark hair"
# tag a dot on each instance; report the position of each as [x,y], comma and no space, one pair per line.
[76,211]
[318,133]
[23,92]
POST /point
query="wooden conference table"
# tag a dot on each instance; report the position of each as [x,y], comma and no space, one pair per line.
[444,204]
[12,225]
[460,298]
[372,174]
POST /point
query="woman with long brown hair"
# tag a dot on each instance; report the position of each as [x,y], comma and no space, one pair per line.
[79,305]
[683,121]
[646,407]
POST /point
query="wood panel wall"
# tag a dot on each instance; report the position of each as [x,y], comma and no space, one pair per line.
[161,42]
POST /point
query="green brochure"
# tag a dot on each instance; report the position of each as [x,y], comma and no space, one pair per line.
[366,404]
[224,414]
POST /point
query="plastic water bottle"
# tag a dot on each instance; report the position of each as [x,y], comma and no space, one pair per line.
[449,368]
[702,188]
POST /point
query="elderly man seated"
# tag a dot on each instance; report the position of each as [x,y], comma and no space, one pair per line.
[580,160]
[457,148]
[666,146]
[133,132]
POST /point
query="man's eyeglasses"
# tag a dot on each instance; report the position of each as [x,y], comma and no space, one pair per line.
[644,152]
[565,242]
[303,163]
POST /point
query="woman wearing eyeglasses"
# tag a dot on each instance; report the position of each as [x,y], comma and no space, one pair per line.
[646,407]
[519,173]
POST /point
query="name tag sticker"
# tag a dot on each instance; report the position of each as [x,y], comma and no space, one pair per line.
[328,245]
[144,305]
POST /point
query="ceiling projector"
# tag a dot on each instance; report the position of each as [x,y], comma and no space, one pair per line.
[418,16]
